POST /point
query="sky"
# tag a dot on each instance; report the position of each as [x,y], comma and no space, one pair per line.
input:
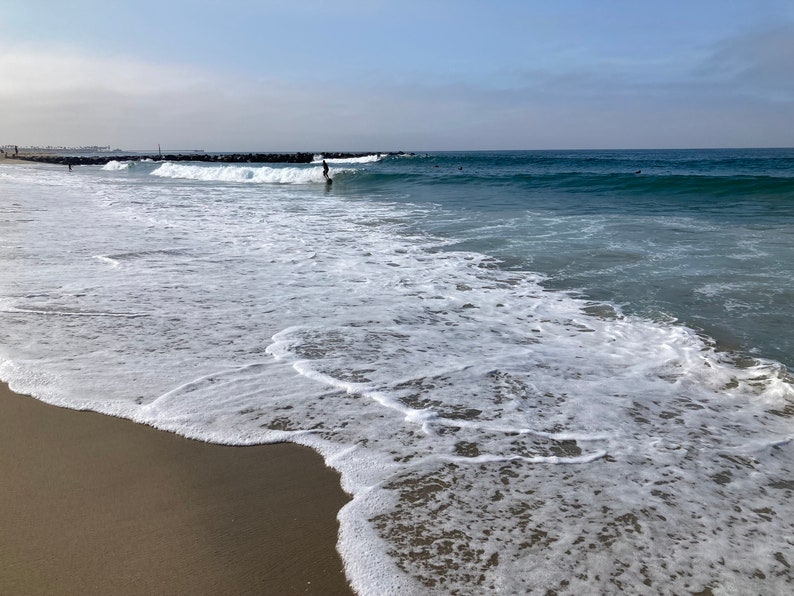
[388,75]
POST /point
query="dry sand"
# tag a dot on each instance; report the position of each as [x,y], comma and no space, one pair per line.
[11,160]
[91,504]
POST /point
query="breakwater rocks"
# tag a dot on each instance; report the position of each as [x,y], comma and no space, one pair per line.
[206,157]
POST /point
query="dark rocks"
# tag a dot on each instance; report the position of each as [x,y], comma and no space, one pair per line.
[203,157]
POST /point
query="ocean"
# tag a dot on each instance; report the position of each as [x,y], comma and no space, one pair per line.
[537,372]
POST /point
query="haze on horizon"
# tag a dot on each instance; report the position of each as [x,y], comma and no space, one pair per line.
[385,75]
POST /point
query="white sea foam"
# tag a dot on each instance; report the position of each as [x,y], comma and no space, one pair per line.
[350,160]
[246,174]
[114,165]
[106,259]
[494,436]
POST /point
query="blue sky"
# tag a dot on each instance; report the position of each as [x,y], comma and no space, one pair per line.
[387,75]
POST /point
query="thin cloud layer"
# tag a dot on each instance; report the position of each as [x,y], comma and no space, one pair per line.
[736,93]
[759,64]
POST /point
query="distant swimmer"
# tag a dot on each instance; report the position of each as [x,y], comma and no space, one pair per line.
[638,172]
[325,170]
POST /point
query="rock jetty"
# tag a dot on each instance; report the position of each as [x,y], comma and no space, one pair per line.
[206,157]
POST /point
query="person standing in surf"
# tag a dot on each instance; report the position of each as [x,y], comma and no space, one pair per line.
[325,170]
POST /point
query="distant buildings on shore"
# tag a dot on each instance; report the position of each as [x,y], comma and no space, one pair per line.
[59,149]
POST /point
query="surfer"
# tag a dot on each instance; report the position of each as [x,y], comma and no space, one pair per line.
[325,170]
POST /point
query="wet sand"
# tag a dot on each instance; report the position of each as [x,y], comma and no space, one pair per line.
[91,504]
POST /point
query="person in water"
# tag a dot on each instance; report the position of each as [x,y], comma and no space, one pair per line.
[325,170]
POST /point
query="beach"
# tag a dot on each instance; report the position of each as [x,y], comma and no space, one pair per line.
[531,371]
[6,160]
[92,504]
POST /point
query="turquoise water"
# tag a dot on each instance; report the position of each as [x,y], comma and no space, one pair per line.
[536,372]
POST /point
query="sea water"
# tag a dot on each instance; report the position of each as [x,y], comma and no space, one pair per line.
[537,372]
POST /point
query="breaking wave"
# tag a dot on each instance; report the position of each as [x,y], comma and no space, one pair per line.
[114,165]
[241,174]
[365,159]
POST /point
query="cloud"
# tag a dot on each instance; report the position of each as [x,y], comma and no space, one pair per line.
[50,95]
[759,64]
[70,98]
[65,97]
[737,94]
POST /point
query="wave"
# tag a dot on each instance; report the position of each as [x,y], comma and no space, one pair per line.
[590,183]
[244,174]
[453,394]
[365,159]
[114,165]
[664,183]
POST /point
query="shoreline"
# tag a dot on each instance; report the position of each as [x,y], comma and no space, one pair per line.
[93,504]
[15,161]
